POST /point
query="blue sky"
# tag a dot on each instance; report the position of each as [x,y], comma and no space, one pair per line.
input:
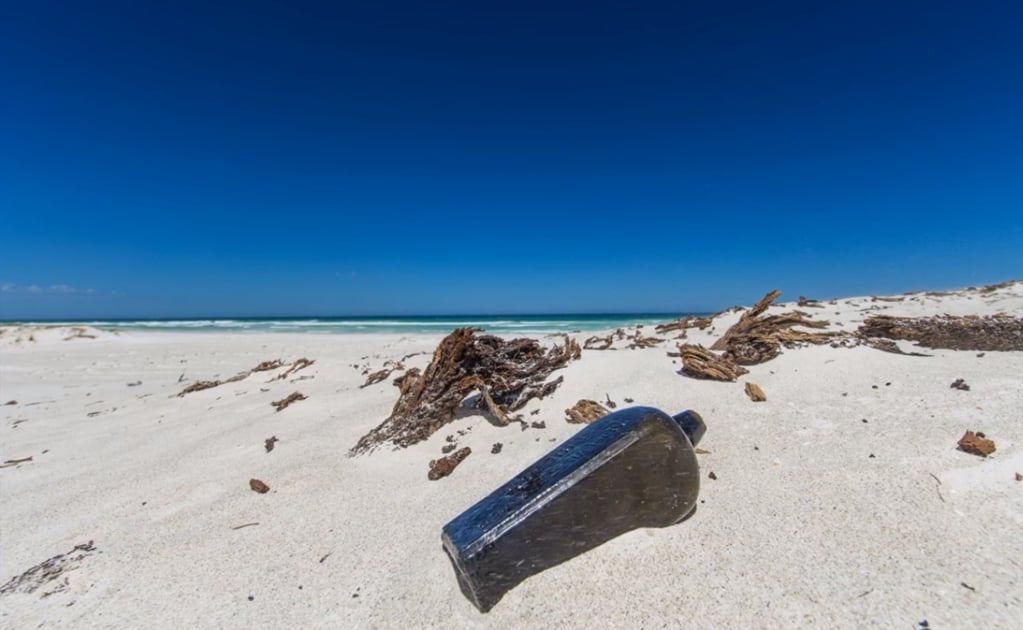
[217,159]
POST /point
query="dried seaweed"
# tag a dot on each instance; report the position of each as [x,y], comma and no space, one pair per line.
[585,411]
[264,366]
[756,339]
[999,332]
[380,375]
[299,364]
[506,374]
[699,362]
[48,571]
[268,365]
[283,403]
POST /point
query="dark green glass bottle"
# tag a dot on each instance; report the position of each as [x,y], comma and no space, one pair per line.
[632,468]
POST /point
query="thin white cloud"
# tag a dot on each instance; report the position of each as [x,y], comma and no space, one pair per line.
[63,289]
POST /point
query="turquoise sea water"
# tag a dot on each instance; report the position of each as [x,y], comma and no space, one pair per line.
[503,324]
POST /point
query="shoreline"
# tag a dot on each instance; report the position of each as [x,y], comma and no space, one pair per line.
[814,516]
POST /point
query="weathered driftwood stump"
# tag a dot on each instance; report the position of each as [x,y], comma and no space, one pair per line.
[756,339]
[507,375]
[699,362]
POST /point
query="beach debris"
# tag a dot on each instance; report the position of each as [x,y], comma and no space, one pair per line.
[298,364]
[699,362]
[258,486]
[507,374]
[700,451]
[586,411]
[266,366]
[283,403]
[135,384]
[11,402]
[244,525]
[77,332]
[639,340]
[960,384]
[198,386]
[976,444]
[998,332]
[886,345]
[496,448]
[1019,476]
[447,448]
[49,571]
[629,400]
[712,476]
[610,404]
[14,462]
[325,556]
[379,375]
[756,339]
[805,302]
[446,465]
[269,443]
[538,424]
[597,342]
[755,393]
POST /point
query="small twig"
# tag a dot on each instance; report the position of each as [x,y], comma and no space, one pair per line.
[937,489]
[965,585]
[244,525]
[325,556]
[15,462]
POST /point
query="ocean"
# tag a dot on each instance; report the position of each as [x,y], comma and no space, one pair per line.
[499,324]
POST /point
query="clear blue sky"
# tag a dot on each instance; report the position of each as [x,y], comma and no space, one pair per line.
[252,158]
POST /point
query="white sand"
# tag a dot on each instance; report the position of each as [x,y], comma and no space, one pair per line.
[801,528]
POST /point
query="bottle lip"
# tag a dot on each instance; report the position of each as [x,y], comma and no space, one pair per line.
[692,425]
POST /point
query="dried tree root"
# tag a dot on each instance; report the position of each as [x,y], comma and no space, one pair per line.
[507,374]
[446,465]
[699,362]
[968,332]
[268,365]
[585,411]
[284,402]
[755,339]
[640,341]
[755,393]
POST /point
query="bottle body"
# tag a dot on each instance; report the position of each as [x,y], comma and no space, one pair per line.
[632,468]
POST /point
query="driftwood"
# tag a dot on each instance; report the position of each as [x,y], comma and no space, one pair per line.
[754,392]
[968,332]
[599,343]
[585,411]
[48,572]
[805,302]
[283,403]
[638,340]
[268,365]
[446,465]
[699,362]
[506,374]
[976,444]
[756,339]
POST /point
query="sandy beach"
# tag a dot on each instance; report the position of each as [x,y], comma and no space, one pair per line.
[841,501]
